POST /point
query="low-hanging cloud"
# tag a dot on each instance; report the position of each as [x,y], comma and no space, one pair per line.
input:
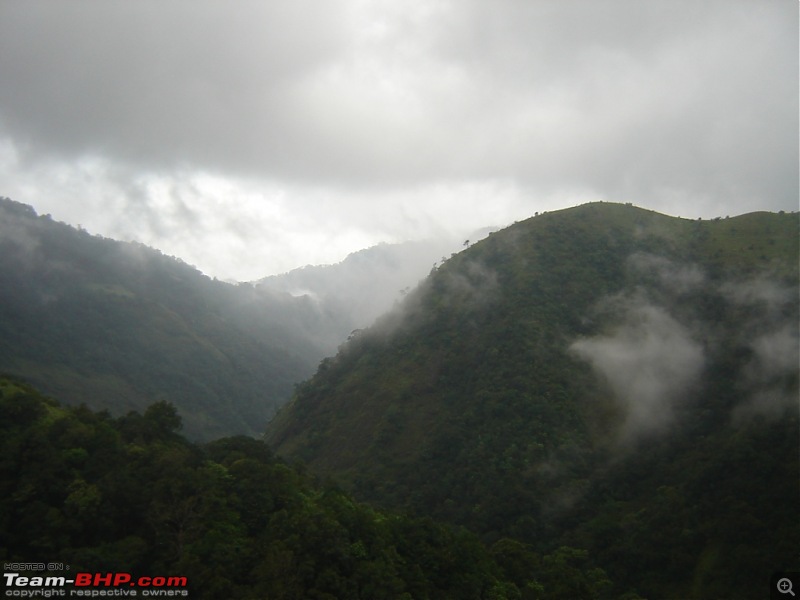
[769,380]
[675,277]
[766,296]
[650,362]
[660,348]
[775,354]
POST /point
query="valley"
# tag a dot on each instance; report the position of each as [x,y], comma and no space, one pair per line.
[597,402]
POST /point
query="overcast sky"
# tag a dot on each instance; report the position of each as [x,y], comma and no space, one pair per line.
[249,138]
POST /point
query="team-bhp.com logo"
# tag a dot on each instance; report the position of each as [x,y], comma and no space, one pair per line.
[93,585]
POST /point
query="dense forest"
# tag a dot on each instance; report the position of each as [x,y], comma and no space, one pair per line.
[119,325]
[604,378]
[129,494]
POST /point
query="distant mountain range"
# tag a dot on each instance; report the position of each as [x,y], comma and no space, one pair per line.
[351,294]
[118,325]
[604,378]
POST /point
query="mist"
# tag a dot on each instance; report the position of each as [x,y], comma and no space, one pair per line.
[673,278]
[769,380]
[354,293]
[655,356]
[15,235]
[650,361]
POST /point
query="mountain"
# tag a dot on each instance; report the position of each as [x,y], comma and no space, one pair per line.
[115,324]
[119,325]
[604,378]
[352,294]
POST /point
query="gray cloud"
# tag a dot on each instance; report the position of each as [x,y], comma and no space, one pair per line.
[385,108]
[354,92]
[159,84]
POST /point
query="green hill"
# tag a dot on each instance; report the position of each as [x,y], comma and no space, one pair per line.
[119,326]
[605,378]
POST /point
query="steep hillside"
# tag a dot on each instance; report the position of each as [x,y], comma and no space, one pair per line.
[119,325]
[603,377]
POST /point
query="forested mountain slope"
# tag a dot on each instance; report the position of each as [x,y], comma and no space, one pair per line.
[130,495]
[119,325]
[603,377]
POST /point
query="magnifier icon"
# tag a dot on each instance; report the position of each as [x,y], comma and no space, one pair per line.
[785,586]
